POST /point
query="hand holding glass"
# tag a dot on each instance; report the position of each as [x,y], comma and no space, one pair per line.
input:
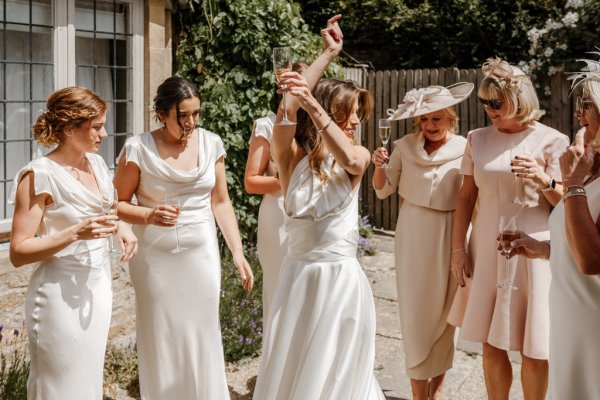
[385,127]
[507,229]
[110,203]
[519,186]
[282,63]
[173,201]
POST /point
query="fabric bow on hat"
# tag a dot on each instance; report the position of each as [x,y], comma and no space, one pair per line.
[414,100]
[429,99]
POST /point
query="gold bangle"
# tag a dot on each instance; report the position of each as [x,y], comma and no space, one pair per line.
[573,191]
[319,131]
[571,187]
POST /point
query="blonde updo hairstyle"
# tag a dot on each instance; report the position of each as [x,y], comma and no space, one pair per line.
[591,89]
[68,107]
[450,113]
[337,97]
[508,83]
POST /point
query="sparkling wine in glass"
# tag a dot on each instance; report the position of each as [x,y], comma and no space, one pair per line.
[110,203]
[507,228]
[519,185]
[282,63]
[173,201]
[385,128]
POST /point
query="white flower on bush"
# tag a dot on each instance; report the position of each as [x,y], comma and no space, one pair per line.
[547,90]
[552,24]
[561,46]
[570,19]
[548,52]
[574,4]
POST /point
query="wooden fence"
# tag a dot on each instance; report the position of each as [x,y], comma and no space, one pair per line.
[388,89]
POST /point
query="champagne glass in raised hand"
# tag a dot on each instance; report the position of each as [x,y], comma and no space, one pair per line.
[385,127]
[110,203]
[173,201]
[282,63]
[519,185]
[507,228]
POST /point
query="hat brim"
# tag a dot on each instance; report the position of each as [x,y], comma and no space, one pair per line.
[458,92]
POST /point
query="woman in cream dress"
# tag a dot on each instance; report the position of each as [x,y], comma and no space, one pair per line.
[320,338]
[180,353]
[60,224]
[261,174]
[574,254]
[500,318]
[424,169]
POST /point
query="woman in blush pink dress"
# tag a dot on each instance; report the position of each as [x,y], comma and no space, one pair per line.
[500,318]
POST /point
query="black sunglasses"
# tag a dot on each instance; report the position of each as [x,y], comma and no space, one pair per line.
[494,104]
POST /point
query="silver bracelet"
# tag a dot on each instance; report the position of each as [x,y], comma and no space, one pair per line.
[319,131]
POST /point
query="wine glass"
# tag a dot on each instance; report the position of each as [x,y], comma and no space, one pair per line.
[173,201]
[519,185]
[385,127]
[282,62]
[507,228]
[110,203]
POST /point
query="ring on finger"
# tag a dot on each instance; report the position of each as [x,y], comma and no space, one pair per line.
[526,170]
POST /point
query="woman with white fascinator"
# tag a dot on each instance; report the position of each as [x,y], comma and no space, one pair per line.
[574,252]
[424,169]
[487,307]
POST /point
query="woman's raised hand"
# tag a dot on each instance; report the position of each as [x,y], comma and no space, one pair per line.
[162,215]
[576,161]
[528,247]
[525,166]
[332,36]
[295,84]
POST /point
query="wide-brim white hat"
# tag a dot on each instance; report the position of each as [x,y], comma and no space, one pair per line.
[429,99]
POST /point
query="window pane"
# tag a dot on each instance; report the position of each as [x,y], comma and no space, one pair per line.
[17,11]
[17,41]
[42,12]
[41,80]
[41,41]
[108,16]
[17,82]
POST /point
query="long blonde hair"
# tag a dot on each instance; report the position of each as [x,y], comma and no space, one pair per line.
[337,97]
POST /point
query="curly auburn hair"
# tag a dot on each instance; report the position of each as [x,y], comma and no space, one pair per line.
[68,107]
[337,97]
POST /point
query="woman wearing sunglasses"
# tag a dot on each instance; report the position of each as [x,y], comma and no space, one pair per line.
[501,318]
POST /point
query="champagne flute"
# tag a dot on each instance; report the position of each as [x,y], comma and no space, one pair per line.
[385,127]
[507,227]
[110,203]
[173,201]
[282,62]
[519,185]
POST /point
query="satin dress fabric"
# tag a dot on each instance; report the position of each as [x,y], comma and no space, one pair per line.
[180,353]
[574,314]
[69,298]
[271,235]
[320,341]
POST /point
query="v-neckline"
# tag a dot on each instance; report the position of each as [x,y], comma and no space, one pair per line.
[181,171]
[78,182]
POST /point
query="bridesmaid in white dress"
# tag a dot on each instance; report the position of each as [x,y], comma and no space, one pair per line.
[180,353]
[320,338]
[575,257]
[59,224]
[261,174]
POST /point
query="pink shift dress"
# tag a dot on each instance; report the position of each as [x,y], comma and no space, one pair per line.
[515,320]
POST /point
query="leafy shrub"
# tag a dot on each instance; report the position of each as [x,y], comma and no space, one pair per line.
[241,312]
[14,365]
[121,372]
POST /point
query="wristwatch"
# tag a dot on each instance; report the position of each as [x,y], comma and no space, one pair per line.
[551,186]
